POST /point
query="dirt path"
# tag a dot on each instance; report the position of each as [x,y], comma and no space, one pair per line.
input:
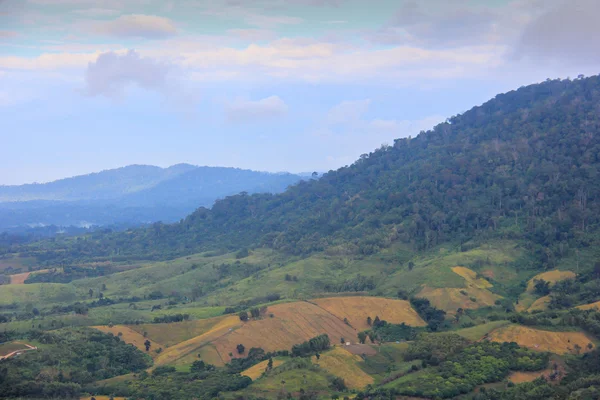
[30,348]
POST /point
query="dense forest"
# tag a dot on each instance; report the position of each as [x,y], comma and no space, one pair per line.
[523,165]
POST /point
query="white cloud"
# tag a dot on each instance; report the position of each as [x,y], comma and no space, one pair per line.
[565,34]
[242,110]
[252,35]
[137,25]
[348,111]
[112,73]
[97,12]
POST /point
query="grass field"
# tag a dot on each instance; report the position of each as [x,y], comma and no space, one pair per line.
[7,348]
[39,295]
[193,346]
[257,370]
[476,333]
[357,309]
[340,362]
[294,380]
[131,336]
[536,339]
[471,278]
[550,276]
[176,332]
[18,263]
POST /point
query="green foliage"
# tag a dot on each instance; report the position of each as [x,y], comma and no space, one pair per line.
[312,346]
[433,316]
[81,356]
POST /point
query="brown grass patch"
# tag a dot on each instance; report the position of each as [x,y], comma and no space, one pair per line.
[540,304]
[177,332]
[536,339]
[19,279]
[340,362]
[225,325]
[590,306]
[550,276]
[522,377]
[471,278]
[256,371]
[357,309]
[451,299]
[130,336]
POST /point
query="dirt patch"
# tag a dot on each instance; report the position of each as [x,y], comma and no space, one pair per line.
[536,339]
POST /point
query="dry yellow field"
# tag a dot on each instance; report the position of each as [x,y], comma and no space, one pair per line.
[256,371]
[177,332]
[340,362]
[357,309]
[540,304]
[536,339]
[102,398]
[451,299]
[224,326]
[470,277]
[292,323]
[595,305]
[550,276]
[131,336]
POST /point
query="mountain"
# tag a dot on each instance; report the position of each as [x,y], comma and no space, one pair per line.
[463,263]
[522,165]
[130,195]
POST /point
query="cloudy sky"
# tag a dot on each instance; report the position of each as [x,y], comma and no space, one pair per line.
[295,85]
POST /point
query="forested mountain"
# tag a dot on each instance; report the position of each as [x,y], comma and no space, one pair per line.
[130,195]
[523,165]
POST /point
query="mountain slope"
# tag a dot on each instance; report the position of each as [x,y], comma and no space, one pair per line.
[523,165]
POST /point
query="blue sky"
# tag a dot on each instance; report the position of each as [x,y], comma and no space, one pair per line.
[274,85]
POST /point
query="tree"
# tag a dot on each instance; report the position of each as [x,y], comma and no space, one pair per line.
[91,293]
[255,312]
[376,321]
[243,316]
[369,321]
[342,340]
[240,348]
[362,337]
[411,265]
[104,287]
[270,364]
[147,344]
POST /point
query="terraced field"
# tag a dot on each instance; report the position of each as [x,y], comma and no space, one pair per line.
[536,339]
[357,309]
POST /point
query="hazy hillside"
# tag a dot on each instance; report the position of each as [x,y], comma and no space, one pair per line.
[130,195]
[522,165]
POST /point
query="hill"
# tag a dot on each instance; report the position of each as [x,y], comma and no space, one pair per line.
[130,195]
[520,166]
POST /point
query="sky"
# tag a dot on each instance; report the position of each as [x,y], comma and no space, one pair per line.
[270,85]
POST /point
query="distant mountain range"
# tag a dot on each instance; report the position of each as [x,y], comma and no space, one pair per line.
[131,195]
